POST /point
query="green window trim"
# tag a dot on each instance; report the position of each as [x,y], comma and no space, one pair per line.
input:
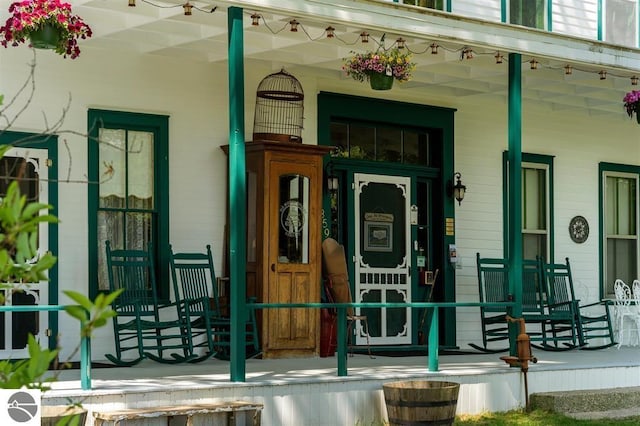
[612,170]
[159,126]
[538,161]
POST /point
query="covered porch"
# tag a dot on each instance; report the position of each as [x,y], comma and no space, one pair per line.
[309,392]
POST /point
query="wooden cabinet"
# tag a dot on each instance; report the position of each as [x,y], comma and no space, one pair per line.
[284,190]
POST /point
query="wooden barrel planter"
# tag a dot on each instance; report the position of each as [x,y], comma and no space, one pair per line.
[421,402]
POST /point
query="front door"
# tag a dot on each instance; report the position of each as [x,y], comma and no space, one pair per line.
[28,166]
[383,255]
[293,276]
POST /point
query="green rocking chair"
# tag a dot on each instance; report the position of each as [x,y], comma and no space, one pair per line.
[137,327]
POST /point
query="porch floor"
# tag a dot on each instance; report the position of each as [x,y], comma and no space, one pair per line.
[308,391]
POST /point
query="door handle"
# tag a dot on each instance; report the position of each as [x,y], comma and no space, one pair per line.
[273,267]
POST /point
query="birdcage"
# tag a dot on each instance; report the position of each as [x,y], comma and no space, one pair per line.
[279,109]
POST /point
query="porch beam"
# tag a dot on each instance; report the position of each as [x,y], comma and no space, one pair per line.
[237,195]
[515,193]
[430,24]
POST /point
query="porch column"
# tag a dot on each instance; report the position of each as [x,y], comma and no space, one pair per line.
[237,195]
[515,193]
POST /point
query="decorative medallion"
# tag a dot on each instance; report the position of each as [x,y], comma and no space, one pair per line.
[579,229]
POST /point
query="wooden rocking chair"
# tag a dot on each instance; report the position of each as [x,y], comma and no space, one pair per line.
[137,326]
[195,288]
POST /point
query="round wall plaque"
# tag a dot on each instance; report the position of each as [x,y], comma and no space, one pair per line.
[579,229]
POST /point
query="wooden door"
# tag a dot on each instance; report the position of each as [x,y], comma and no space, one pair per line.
[293,255]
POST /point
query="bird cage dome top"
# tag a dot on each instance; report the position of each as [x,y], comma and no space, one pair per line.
[279,108]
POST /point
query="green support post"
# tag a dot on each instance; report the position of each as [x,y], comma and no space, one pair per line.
[515,193]
[342,341]
[434,339]
[237,194]
[85,358]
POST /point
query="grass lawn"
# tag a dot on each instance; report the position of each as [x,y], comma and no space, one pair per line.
[538,418]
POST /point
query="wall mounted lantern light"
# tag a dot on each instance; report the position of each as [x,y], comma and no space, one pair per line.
[332,183]
[458,190]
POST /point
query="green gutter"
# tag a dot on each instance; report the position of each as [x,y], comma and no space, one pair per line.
[237,194]
[515,191]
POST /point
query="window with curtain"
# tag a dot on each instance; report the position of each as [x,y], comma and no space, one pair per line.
[537,196]
[620,209]
[621,22]
[534,211]
[128,203]
[528,13]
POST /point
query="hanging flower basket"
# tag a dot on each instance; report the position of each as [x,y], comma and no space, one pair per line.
[380,68]
[632,103]
[380,81]
[46,37]
[47,24]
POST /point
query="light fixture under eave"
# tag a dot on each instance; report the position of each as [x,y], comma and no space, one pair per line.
[534,64]
[255,19]
[457,190]
[568,69]
[132,3]
[499,58]
[364,36]
[187,9]
[400,41]
[331,32]
[434,48]
[294,25]
[634,80]
[603,74]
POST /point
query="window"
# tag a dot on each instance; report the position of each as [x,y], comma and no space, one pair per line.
[620,223]
[534,211]
[368,141]
[431,4]
[528,13]
[536,199]
[620,22]
[128,203]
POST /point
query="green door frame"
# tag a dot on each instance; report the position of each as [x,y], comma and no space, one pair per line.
[333,105]
[49,143]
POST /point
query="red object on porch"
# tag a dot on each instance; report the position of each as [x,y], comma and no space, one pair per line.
[328,336]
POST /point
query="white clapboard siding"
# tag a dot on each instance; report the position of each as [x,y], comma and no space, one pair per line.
[576,17]
[481,9]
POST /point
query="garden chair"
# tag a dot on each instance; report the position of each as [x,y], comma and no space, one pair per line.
[138,327]
[195,288]
[625,312]
[571,323]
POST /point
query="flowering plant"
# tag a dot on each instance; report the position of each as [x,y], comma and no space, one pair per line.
[391,62]
[631,101]
[28,16]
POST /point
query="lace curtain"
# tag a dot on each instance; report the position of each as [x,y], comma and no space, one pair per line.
[125,214]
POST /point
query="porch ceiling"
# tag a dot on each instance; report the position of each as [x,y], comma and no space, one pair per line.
[160,28]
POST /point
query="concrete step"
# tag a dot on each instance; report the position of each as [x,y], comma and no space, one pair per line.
[590,404]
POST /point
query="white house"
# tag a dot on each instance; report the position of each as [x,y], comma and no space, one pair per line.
[546,81]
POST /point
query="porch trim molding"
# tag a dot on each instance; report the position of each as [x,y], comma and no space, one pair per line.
[432,24]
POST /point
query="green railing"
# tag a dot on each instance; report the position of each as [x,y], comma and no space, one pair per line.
[341,308]
[85,343]
[433,335]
